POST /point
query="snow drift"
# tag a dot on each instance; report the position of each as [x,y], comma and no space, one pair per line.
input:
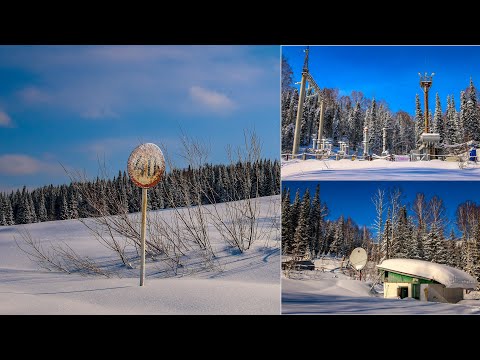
[446,275]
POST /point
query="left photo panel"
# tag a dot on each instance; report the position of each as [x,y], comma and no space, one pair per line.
[140,180]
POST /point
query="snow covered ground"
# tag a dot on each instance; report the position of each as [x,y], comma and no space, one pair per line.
[317,292]
[379,169]
[248,284]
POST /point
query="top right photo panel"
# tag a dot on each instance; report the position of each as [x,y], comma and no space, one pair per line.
[380,113]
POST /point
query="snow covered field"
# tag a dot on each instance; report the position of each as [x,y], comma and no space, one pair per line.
[247,284]
[316,292]
[379,169]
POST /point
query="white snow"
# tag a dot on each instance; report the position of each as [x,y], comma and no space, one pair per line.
[330,290]
[331,293]
[446,275]
[248,284]
[345,169]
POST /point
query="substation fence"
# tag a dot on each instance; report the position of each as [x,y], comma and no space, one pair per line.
[397,158]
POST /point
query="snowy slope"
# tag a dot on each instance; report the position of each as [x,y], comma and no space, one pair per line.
[446,275]
[377,170]
[246,284]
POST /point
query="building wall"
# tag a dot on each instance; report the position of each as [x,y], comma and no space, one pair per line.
[439,293]
[390,289]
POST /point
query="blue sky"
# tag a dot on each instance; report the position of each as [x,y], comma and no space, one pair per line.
[390,72]
[71,105]
[353,198]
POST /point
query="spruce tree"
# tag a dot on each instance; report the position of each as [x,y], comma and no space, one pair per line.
[462,133]
[472,121]
[338,237]
[8,211]
[386,244]
[72,203]
[419,120]
[42,210]
[316,222]
[433,246]
[450,124]
[287,231]
[301,239]
[439,126]
[3,220]
[24,213]
[295,210]
[63,214]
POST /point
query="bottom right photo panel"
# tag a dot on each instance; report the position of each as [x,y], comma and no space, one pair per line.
[381,247]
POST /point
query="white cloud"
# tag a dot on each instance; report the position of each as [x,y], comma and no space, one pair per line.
[19,164]
[109,81]
[213,100]
[5,120]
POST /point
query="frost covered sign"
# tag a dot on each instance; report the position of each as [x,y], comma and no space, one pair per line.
[146,166]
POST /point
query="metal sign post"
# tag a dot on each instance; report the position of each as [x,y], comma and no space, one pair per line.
[144,230]
[146,166]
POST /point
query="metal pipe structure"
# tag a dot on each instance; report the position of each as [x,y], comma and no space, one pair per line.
[365,141]
[320,121]
[384,139]
[425,84]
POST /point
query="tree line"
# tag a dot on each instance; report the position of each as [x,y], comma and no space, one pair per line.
[62,202]
[307,232]
[345,117]
[421,231]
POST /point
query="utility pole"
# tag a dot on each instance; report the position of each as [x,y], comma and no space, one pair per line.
[301,99]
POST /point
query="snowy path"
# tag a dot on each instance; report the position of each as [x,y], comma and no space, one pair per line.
[342,296]
[377,170]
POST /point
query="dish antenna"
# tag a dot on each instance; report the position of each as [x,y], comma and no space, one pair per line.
[358,258]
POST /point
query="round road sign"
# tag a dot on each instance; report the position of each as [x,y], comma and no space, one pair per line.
[146,165]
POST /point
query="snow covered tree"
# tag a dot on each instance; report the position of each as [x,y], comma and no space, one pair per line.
[24,212]
[287,75]
[438,125]
[42,210]
[378,200]
[8,211]
[316,222]
[403,235]
[63,206]
[472,265]
[33,214]
[462,135]
[287,228]
[338,237]
[451,122]
[453,251]
[385,244]
[72,200]
[419,120]
[432,245]
[301,239]
[472,120]
[3,220]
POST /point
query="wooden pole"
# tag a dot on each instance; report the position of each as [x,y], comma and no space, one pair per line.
[144,228]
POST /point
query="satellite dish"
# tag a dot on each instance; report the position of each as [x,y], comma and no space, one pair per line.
[358,258]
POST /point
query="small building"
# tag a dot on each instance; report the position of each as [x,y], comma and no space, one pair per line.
[424,280]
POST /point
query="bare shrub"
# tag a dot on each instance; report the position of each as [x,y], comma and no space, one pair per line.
[57,257]
[237,220]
